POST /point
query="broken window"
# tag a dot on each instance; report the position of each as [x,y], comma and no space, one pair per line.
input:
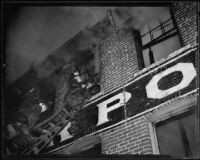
[177,136]
[159,37]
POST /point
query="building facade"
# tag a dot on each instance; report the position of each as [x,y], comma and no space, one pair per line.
[147,102]
[144,108]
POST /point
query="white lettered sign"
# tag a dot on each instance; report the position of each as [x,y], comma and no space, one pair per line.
[188,71]
[103,110]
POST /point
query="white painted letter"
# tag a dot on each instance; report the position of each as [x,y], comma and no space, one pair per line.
[64,134]
[103,110]
[188,72]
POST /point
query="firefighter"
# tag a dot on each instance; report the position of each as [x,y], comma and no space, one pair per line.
[78,92]
[74,95]
[22,131]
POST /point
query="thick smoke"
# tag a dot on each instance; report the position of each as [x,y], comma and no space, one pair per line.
[41,30]
[137,17]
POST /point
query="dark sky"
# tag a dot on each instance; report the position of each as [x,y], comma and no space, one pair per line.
[35,32]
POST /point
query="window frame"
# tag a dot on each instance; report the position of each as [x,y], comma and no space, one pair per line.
[176,108]
[138,40]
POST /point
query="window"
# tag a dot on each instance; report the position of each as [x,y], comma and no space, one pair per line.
[158,38]
[177,136]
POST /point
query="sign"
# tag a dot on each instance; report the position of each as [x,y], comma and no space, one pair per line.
[140,95]
[173,79]
[119,100]
[188,71]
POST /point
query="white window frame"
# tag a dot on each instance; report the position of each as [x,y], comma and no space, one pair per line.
[168,111]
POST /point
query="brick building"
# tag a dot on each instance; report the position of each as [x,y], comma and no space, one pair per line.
[147,102]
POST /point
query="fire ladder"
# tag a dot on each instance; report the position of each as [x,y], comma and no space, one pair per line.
[54,125]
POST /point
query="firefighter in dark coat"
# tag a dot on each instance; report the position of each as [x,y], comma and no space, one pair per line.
[22,132]
[78,92]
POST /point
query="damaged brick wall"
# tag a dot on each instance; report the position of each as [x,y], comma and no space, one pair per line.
[185,13]
[61,88]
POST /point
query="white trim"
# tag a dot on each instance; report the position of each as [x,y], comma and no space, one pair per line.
[164,113]
[154,141]
[173,109]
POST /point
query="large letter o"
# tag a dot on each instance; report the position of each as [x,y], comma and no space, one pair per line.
[188,72]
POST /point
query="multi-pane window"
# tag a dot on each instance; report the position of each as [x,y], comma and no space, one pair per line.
[159,38]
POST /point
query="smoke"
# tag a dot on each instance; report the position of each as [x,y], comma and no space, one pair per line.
[137,17]
[39,31]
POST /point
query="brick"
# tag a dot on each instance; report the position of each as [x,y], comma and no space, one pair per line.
[124,151]
[145,140]
[146,152]
[183,17]
[122,137]
[128,139]
[138,150]
[132,133]
[141,122]
[138,142]
[113,151]
[114,147]
[121,148]
[147,147]
[122,144]
[144,136]
[117,49]
[147,143]
[126,132]
[131,144]
[133,140]
[115,143]
[137,128]
[113,140]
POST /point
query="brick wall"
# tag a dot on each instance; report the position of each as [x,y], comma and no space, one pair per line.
[60,93]
[130,138]
[118,60]
[185,13]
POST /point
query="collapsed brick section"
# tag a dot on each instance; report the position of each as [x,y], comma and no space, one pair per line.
[118,60]
[185,13]
[60,94]
[62,88]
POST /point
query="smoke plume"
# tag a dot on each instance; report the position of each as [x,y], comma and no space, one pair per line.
[39,31]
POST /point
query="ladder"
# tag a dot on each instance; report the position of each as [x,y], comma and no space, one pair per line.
[54,125]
